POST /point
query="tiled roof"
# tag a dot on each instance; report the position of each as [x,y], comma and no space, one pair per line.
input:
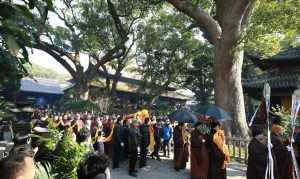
[292,52]
[41,85]
[288,79]
[286,54]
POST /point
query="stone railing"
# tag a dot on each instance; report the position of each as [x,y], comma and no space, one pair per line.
[238,148]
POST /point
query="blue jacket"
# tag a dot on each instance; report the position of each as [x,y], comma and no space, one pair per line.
[167,133]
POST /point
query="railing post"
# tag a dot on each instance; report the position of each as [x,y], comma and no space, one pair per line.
[233,147]
[240,149]
[246,152]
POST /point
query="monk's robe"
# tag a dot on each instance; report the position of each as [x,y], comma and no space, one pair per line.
[257,157]
[218,158]
[108,143]
[199,155]
[180,149]
[283,165]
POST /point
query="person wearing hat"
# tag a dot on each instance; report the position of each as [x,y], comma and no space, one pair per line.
[218,152]
[199,152]
[133,140]
[283,165]
[257,153]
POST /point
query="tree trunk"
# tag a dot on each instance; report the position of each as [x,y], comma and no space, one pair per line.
[228,86]
[83,91]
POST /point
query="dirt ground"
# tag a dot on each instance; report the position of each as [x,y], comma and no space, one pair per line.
[164,170]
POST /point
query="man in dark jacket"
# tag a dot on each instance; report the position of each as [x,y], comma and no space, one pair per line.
[145,141]
[133,140]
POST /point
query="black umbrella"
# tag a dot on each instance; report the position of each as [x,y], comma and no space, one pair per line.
[183,116]
[212,111]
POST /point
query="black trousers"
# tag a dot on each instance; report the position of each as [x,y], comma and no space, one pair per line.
[132,161]
[116,156]
[157,147]
[143,156]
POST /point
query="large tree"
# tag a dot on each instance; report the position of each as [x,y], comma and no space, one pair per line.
[102,30]
[231,25]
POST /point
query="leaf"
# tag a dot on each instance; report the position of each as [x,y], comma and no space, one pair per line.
[12,45]
[49,4]
[25,11]
[32,4]
[6,10]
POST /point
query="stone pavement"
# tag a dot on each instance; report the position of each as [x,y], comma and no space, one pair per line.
[164,170]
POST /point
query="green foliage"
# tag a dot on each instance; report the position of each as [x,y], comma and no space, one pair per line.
[43,170]
[67,157]
[14,38]
[164,109]
[4,109]
[54,136]
[273,25]
[199,77]
[165,49]
[285,118]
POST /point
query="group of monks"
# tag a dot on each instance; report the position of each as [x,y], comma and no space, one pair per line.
[206,146]
[283,165]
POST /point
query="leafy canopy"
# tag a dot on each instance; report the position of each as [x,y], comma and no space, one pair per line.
[165,50]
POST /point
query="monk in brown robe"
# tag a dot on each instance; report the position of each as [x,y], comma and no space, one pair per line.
[199,153]
[217,157]
[180,147]
[257,154]
[108,145]
[283,165]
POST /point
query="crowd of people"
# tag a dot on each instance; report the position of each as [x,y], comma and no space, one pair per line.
[113,139]
[283,165]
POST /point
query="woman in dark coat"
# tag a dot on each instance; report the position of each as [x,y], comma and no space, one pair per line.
[199,154]
[217,157]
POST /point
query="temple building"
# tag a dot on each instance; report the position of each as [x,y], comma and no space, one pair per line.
[48,92]
[281,71]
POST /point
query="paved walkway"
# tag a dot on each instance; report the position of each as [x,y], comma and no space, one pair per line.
[164,170]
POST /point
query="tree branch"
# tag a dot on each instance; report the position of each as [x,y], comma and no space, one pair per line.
[205,22]
[46,48]
[119,26]
[247,15]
